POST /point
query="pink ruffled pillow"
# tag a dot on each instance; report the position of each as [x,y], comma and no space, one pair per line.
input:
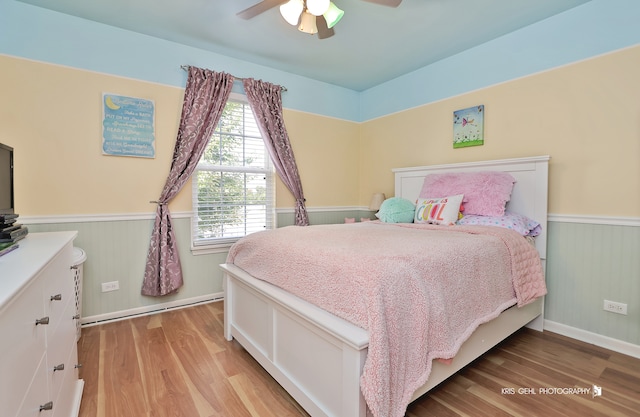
[486,193]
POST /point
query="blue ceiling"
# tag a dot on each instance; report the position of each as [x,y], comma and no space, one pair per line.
[372,43]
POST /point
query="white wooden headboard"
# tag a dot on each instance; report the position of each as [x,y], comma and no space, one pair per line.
[529,195]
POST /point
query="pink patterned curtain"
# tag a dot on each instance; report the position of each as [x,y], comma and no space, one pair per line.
[205,97]
[265,100]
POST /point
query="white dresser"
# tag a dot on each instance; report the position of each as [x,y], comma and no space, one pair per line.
[38,351]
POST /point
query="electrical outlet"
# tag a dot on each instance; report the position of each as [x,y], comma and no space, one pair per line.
[110,286]
[615,307]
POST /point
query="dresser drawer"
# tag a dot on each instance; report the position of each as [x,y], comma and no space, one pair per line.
[59,346]
[22,345]
[68,386]
[58,288]
[37,394]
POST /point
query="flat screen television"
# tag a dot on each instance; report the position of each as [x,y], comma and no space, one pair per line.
[6,180]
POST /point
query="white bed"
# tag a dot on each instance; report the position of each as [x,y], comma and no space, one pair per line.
[318,358]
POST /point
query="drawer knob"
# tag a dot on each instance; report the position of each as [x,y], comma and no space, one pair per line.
[56,297]
[47,406]
[44,320]
[58,367]
[78,365]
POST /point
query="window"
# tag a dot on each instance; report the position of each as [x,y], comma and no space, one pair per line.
[233,184]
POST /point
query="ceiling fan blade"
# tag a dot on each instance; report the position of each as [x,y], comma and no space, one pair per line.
[390,3]
[324,31]
[258,8]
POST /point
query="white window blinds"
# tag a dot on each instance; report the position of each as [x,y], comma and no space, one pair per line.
[233,185]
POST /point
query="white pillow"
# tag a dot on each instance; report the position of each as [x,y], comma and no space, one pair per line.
[514,221]
[442,211]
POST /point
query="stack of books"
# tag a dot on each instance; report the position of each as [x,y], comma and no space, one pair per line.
[11,232]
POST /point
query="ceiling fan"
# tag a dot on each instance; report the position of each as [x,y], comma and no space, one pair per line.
[311,16]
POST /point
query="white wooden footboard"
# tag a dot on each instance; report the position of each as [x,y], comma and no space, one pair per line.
[318,357]
[315,356]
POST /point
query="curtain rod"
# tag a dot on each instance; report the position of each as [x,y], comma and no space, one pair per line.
[186,68]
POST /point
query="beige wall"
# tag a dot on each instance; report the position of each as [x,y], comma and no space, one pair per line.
[52,116]
[586,116]
[327,153]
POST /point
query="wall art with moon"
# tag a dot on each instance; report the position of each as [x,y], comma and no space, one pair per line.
[128,126]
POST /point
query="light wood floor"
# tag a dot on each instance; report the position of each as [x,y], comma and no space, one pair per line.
[177,363]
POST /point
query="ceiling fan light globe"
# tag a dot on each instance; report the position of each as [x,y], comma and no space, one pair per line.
[291,11]
[317,7]
[333,15]
[308,23]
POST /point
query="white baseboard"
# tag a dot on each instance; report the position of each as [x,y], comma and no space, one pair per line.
[151,309]
[593,338]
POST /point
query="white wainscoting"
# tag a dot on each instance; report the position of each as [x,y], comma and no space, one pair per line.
[116,248]
[590,258]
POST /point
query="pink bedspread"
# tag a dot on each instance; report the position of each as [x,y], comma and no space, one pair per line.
[420,290]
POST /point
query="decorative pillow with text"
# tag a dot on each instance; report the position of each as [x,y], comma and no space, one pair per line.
[442,211]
